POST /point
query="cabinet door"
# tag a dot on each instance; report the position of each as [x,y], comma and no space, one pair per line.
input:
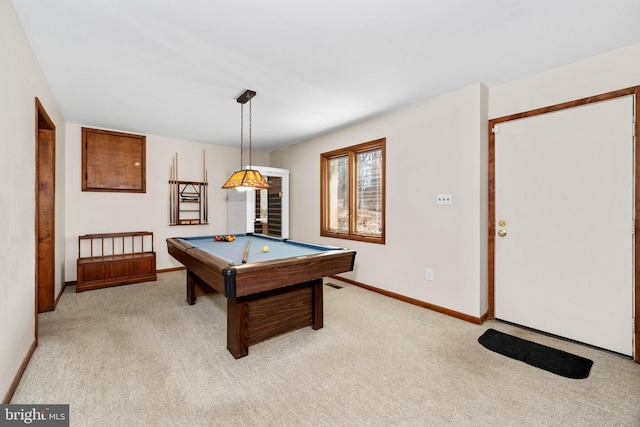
[119,269]
[92,272]
[113,161]
[143,266]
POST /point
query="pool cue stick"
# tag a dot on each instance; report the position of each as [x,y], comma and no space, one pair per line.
[203,212]
[246,253]
[206,197]
[171,200]
[206,183]
[203,199]
[177,194]
[173,191]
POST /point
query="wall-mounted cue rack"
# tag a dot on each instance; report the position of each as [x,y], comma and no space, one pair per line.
[188,200]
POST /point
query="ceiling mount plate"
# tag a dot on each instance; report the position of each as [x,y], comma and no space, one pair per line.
[246,96]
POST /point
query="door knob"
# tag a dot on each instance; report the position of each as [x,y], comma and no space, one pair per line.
[502,233]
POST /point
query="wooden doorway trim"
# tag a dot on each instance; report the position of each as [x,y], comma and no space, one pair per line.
[45,186]
[492,226]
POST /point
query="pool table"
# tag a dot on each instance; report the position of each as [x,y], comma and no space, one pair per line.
[269,293]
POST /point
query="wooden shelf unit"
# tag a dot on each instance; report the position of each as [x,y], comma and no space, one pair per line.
[113,259]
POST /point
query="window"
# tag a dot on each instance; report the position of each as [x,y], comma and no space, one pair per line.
[352,182]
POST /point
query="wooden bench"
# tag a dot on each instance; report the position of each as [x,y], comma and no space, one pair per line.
[113,259]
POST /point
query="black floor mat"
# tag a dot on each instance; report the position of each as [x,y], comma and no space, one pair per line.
[550,359]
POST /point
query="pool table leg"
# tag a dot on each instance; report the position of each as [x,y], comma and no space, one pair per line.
[317,304]
[191,288]
[237,327]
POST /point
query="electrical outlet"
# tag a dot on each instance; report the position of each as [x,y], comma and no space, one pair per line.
[444,199]
[428,273]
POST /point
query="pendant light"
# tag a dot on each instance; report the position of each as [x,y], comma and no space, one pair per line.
[245,179]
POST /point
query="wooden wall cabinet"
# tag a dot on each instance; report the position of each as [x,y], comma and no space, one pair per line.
[113,161]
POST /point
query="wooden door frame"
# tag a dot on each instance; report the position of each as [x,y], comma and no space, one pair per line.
[43,122]
[636,241]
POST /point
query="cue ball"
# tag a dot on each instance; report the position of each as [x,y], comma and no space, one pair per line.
[265,249]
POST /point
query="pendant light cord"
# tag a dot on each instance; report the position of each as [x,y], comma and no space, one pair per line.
[241,134]
[250,162]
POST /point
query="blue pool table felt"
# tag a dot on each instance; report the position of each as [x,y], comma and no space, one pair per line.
[233,252]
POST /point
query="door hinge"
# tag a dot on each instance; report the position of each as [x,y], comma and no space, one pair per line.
[496,129]
[633,324]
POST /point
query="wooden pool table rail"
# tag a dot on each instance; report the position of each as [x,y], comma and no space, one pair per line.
[240,280]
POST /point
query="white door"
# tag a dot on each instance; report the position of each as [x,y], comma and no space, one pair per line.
[564,191]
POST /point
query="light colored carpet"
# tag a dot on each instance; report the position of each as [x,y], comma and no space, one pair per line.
[139,355]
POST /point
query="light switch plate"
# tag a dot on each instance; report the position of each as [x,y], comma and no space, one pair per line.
[444,199]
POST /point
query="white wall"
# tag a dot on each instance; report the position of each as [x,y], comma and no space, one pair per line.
[437,146]
[107,212]
[618,69]
[441,142]
[21,81]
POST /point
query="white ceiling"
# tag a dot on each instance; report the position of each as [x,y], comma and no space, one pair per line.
[174,68]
